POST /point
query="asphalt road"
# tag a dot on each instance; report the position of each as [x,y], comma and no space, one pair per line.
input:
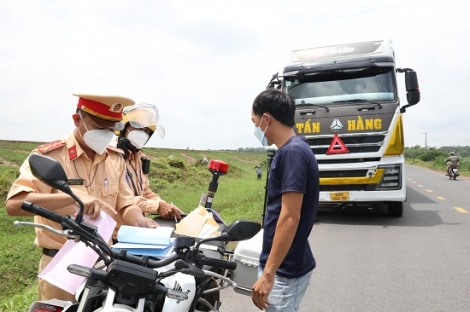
[369,261]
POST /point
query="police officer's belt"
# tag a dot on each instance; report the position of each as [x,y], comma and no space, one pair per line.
[49,252]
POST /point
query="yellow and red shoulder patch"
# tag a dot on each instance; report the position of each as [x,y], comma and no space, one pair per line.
[47,147]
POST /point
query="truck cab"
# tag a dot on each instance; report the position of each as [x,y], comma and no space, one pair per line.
[348,108]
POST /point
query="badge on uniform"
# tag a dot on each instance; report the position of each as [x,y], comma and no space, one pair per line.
[75,181]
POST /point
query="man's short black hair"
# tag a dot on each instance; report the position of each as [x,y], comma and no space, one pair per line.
[277,103]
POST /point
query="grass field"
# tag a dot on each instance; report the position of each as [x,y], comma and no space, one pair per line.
[176,175]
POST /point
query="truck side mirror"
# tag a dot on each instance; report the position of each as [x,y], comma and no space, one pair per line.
[412,87]
[274,82]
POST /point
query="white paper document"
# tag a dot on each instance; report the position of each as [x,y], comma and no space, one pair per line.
[72,252]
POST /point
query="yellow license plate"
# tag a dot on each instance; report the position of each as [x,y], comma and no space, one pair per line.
[339,196]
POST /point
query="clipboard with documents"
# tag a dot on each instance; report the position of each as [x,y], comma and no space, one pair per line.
[153,242]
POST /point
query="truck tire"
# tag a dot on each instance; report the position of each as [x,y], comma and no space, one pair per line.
[395,209]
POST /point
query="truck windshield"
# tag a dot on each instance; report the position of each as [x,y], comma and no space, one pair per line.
[327,87]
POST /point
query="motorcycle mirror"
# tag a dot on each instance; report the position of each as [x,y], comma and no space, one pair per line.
[237,231]
[241,230]
[51,172]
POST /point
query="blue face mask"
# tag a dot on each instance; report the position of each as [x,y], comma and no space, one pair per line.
[260,134]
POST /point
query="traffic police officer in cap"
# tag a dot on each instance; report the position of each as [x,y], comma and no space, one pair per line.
[96,173]
[140,122]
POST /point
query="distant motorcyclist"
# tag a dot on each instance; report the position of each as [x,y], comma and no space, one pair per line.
[452,160]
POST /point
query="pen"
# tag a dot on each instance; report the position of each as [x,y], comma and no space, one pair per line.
[106,184]
[176,220]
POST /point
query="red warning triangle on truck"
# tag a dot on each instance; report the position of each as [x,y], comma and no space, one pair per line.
[337,146]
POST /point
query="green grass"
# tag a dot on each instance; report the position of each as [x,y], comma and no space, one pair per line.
[176,175]
[14,152]
[238,193]
[18,265]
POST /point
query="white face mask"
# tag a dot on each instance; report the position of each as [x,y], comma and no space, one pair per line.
[138,138]
[97,139]
[260,134]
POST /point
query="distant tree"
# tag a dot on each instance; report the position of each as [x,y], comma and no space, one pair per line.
[425,154]
[432,154]
[414,152]
[462,151]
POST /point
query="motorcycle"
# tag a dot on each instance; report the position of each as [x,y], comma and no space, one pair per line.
[453,172]
[185,280]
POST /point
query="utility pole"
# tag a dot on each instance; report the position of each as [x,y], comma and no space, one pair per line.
[425,140]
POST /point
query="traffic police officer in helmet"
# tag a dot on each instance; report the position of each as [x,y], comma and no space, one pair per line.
[140,122]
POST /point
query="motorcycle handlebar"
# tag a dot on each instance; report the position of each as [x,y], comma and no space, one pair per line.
[224,264]
[53,216]
[48,214]
[43,212]
[140,260]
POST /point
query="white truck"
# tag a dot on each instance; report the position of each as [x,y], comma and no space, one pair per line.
[348,108]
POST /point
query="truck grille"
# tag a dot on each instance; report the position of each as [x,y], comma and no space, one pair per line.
[341,174]
[355,142]
[348,160]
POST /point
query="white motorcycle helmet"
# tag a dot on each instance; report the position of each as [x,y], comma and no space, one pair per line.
[140,117]
[143,116]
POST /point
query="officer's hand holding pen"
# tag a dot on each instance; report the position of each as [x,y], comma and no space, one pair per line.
[169,211]
[176,213]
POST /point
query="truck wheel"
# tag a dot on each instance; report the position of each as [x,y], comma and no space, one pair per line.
[395,209]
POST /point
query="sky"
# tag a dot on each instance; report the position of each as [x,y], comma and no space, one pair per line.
[202,63]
